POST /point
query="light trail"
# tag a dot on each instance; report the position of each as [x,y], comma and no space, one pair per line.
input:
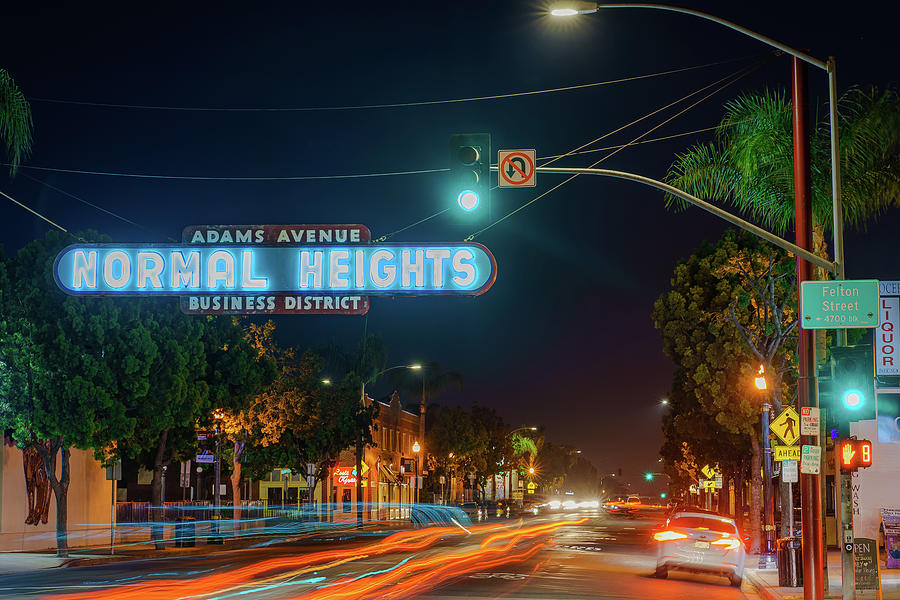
[406,577]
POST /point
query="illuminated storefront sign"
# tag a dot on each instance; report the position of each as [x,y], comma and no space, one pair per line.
[344,476]
[371,269]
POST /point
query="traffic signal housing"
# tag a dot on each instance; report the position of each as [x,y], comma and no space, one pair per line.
[850,395]
[854,455]
[470,169]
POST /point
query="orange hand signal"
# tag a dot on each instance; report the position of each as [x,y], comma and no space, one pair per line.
[848,452]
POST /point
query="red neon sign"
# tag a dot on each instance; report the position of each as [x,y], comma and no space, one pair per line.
[344,476]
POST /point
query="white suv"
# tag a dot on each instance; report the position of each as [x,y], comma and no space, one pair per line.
[701,542]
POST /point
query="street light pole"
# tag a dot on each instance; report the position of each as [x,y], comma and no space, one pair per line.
[767,465]
[359,441]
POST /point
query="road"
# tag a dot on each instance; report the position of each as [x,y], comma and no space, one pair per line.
[561,556]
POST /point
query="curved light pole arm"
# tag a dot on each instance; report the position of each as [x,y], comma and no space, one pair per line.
[711,208]
[764,39]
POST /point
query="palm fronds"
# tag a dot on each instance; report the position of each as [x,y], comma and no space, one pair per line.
[15,121]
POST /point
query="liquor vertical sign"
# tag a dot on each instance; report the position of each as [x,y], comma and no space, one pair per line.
[887,348]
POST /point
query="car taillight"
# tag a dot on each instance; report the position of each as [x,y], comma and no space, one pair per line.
[729,542]
[668,536]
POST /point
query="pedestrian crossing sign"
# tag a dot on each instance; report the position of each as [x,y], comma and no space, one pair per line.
[787,426]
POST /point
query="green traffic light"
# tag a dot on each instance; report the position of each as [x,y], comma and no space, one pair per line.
[467,200]
[648,476]
[853,399]
[663,495]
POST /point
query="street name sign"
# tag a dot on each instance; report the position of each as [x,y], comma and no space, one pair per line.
[786,452]
[789,471]
[809,420]
[839,304]
[516,168]
[810,459]
[785,426]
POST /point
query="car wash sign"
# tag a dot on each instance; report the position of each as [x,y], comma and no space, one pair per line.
[299,269]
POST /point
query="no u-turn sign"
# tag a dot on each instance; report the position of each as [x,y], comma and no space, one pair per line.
[516,168]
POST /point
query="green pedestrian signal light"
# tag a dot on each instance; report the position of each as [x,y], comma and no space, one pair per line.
[470,169]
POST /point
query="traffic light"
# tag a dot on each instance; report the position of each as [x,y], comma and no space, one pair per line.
[854,454]
[648,476]
[470,169]
[851,393]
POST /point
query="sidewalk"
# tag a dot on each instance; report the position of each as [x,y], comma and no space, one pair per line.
[766,581]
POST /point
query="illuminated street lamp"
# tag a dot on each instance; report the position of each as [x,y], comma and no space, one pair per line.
[415,448]
[359,448]
[218,415]
[761,385]
[326,382]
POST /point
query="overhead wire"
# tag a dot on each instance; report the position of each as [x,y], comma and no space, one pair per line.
[733,78]
[386,105]
[34,212]
[324,177]
[83,201]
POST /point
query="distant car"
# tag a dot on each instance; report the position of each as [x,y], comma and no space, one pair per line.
[700,542]
[473,510]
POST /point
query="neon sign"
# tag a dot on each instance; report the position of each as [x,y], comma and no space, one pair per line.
[344,476]
[189,269]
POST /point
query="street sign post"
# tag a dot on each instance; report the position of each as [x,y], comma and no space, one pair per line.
[810,459]
[789,473]
[839,304]
[785,426]
[786,453]
[516,168]
[809,420]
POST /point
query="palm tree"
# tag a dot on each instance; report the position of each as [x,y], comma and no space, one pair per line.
[15,121]
[750,163]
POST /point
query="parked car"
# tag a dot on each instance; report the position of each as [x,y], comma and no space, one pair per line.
[700,542]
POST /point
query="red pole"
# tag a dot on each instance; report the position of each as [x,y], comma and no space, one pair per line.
[810,490]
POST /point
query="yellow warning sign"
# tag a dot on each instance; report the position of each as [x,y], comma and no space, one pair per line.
[787,427]
[786,453]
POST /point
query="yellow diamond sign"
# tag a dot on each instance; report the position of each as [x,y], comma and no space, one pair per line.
[787,426]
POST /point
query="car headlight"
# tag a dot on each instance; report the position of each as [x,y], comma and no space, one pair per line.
[554,504]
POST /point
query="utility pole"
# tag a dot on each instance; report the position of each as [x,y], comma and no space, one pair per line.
[810,488]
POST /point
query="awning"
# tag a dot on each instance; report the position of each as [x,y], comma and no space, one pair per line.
[387,476]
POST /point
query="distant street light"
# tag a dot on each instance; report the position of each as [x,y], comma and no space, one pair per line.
[664,401]
[326,382]
[359,448]
[415,448]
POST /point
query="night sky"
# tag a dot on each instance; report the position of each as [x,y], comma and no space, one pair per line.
[564,338]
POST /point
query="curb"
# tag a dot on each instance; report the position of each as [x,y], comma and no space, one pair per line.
[765,591]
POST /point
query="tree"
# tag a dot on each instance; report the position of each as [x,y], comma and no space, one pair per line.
[728,306]
[15,122]
[493,444]
[202,364]
[71,368]
[750,163]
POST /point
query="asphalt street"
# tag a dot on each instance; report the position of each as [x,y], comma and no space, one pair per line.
[600,557]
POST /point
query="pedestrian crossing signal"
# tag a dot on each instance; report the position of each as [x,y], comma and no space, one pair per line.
[854,455]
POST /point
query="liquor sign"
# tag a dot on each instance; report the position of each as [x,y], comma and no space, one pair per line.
[279,271]
[344,476]
[887,343]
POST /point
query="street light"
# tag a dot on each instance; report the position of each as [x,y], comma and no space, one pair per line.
[326,382]
[810,491]
[359,442]
[218,415]
[761,385]
[415,448]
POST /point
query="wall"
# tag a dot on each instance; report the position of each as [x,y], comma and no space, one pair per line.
[90,499]
[876,487]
